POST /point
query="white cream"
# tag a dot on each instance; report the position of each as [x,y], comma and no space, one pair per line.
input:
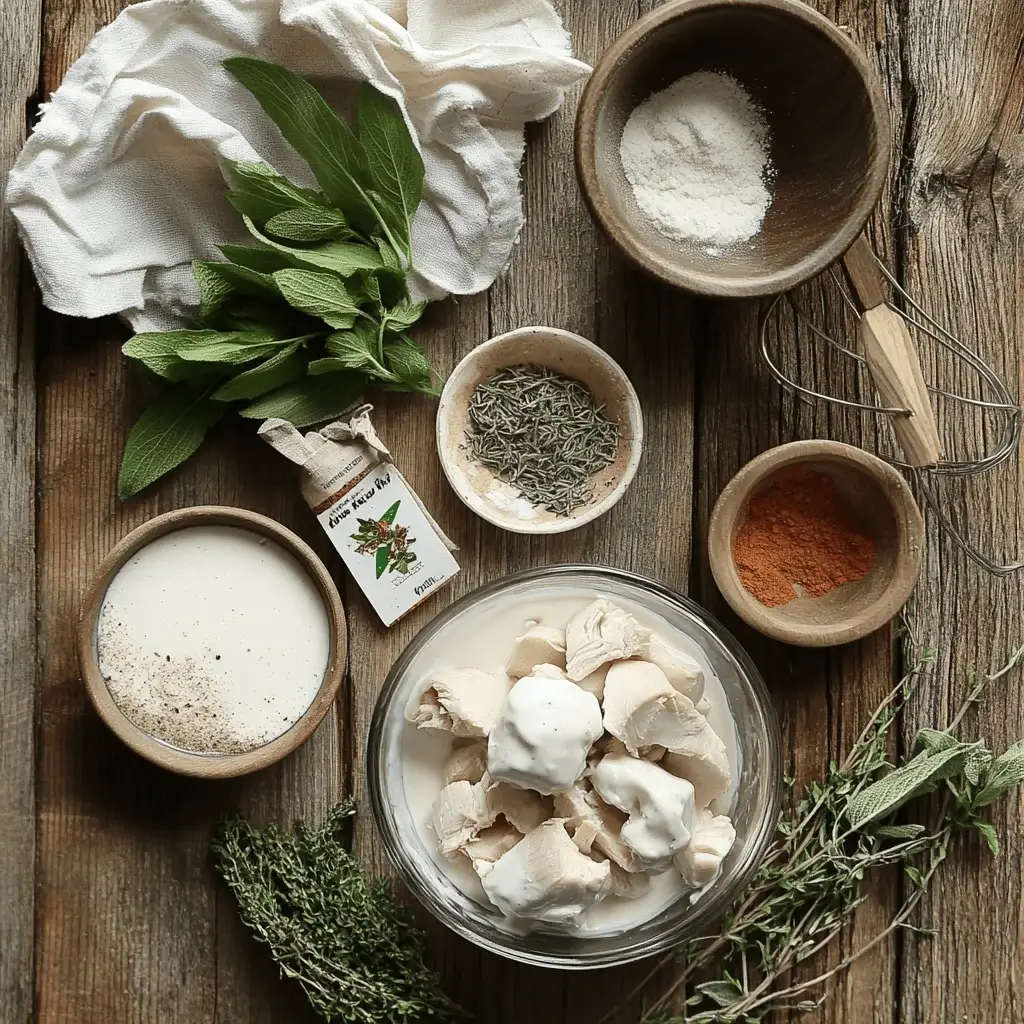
[213,638]
[545,878]
[660,807]
[483,637]
[543,734]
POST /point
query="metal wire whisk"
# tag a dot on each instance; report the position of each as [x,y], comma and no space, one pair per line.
[900,393]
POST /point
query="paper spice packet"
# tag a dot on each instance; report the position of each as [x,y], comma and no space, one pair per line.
[390,543]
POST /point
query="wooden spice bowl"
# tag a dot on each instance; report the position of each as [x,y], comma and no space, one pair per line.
[827,115]
[175,759]
[566,353]
[884,507]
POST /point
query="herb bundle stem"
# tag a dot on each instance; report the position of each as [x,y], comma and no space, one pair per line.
[809,884]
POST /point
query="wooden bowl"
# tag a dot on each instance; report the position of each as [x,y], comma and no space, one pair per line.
[885,508]
[185,762]
[478,487]
[829,125]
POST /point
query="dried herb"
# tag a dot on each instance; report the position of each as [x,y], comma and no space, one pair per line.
[543,433]
[811,882]
[300,323]
[389,542]
[356,953]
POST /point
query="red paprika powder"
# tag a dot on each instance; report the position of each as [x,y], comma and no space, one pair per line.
[800,538]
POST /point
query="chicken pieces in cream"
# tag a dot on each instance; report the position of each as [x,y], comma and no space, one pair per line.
[581,771]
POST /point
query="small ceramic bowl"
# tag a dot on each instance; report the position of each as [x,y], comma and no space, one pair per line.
[478,487]
[827,116]
[185,762]
[882,502]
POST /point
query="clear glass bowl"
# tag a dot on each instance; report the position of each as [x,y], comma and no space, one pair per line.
[754,811]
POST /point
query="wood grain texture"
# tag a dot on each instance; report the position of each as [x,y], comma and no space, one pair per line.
[823,697]
[562,275]
[961,254]
[19,71]
[131,925]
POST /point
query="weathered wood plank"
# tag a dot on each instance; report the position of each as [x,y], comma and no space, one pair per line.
[133,925]
[562,275]
[823,697]
[961,256]
[19,72]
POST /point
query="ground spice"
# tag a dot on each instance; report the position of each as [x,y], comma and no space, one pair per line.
[799,538]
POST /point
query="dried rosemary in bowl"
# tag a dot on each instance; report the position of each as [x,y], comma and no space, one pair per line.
[543,433]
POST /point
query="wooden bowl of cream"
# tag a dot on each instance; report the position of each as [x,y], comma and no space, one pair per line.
[212,641]
[878,501]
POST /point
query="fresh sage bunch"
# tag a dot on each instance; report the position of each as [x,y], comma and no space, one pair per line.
[297,324]
[812,880]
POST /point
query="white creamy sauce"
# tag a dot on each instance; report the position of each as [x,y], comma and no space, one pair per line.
[213,638]
[484,639]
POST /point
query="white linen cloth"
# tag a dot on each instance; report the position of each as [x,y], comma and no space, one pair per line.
[119,187]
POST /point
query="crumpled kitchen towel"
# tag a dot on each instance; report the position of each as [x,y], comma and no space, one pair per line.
[119,187]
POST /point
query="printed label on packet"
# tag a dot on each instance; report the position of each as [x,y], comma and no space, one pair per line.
[395,551]
[387,543]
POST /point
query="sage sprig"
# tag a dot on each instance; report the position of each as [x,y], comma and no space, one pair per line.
[811,881]
[299,323]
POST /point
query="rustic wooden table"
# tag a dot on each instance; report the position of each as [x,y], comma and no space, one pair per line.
[109,910]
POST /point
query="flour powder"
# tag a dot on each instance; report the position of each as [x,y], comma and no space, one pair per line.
[697,157]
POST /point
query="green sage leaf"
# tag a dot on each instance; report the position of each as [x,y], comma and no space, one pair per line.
[1005,773]
[308,401]
[214,288]
[256,257]
[395,162]
[917,776]
[234,348]
[400,318]
[164,436]
[357,349]
[328,364]
[344,258]
[367,288]
[321,295]
[389,515]
[722,993]
[160,351]
[258,191]
[334,154]
[934,739]
[383,554]
[915,876]
[407,362]
[899,831]
[306,224]
[390,259]
[286,366]
[990,835]
[976,762]
[225,280]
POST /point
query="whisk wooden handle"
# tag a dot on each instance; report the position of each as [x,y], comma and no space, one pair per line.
[896,369]
[893,359]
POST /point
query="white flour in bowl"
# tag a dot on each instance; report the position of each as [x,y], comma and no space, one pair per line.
[697,157]
[213,639]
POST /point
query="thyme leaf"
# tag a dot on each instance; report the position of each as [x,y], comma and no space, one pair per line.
[354,950]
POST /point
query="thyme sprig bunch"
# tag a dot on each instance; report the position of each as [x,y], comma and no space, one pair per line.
[811,882]
[354,950]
